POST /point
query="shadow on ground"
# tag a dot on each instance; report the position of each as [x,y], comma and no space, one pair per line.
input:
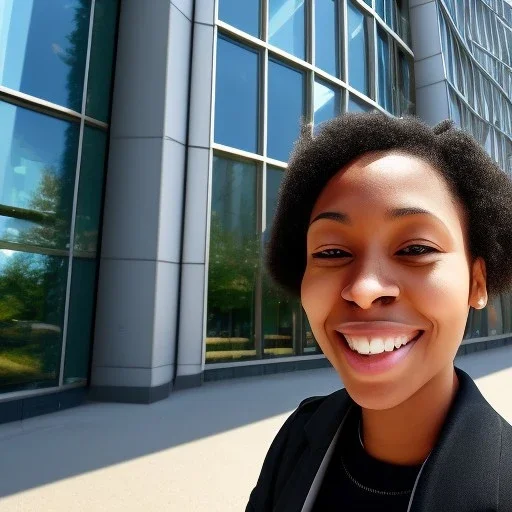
[61,445]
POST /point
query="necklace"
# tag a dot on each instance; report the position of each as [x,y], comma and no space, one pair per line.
[364,487]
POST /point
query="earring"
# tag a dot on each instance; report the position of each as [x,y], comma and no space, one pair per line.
[481,303]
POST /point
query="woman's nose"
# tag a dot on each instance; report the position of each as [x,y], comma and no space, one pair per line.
[370,285]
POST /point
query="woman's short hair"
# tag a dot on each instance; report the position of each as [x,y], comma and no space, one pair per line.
[482,188]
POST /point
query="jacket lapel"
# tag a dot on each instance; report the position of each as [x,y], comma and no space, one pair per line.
[319,432]
[462,472]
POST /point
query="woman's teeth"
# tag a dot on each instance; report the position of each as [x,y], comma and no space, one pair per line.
[373,345]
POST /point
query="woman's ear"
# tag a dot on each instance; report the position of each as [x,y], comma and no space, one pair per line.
[478,287]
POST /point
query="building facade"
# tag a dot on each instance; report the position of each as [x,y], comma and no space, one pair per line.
[132,231]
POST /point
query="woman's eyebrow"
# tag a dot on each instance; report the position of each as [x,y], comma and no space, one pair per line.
[395,213]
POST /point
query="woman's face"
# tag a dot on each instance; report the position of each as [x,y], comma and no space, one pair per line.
[389,280]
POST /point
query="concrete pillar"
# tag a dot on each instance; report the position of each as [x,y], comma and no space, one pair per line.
[195,249]
[136,321]
[431,87]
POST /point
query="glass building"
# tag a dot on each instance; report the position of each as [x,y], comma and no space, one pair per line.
[144,145]
[56,61]
[466,74]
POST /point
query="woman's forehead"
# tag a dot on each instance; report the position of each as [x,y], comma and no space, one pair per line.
[388,180]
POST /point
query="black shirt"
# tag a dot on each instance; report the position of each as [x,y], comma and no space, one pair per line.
[355,481]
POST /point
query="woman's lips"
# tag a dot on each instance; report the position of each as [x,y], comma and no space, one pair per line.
[374,347]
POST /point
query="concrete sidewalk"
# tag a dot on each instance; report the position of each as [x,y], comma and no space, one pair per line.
[199,450]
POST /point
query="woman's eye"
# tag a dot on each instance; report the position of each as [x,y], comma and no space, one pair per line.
[416,250]
[331,253]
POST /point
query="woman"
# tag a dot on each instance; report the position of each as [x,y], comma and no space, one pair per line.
[390,231]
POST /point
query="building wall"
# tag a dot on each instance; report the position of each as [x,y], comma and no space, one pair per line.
[277,63]
[55,88]
[463,64]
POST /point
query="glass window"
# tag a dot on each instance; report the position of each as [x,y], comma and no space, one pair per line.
[326,102]
[234,261]
[90,190]
[285,108]
[32,296]
[236,96]
[327,43]
[309,343]
[101,60]
[43,47]
[506,305]
[242,15]
[358,50]
[355,104]
[80,320]
[495,317]
[405,84]
[37,177]
[386,10]
[280,312]
[286,26]
[385,95]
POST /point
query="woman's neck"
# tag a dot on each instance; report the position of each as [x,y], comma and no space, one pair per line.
[407,433]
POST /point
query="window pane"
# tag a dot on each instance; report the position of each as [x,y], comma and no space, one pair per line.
[102,59]
[285,108]
[32,296]
[495,318]
[280,311]
[309,343]
[90,190]
[326,102]
[286,26]
[358,50]
[234,262]
[357,105]
[43,47]
[385,93]
[81,313]
[405,85]
[37,177]
[327,44]
[385,9]
[242,15]
[236,96]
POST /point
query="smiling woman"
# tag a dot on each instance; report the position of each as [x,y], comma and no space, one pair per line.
[387,242]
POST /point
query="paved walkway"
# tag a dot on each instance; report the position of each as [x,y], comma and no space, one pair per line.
[199,450]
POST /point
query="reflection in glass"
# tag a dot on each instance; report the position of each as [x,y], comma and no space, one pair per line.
[384,69]
[327,43]
[358,50]
[286,26]
[101,59]
[309,343]
[80,319]
[234,261]
[43,46]
[285,108]
[280,312]
[90,190]
[32,296]
[386,10]
[405,85]
[37,172]
[357,105]
[236,96]
[506,305]
[242,15]
[494,315]
[326,102]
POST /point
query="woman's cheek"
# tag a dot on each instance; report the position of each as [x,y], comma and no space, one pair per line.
[319,294]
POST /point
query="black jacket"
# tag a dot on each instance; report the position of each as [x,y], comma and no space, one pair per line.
[469,469]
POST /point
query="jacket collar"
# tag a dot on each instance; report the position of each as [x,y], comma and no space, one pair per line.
[461,474]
